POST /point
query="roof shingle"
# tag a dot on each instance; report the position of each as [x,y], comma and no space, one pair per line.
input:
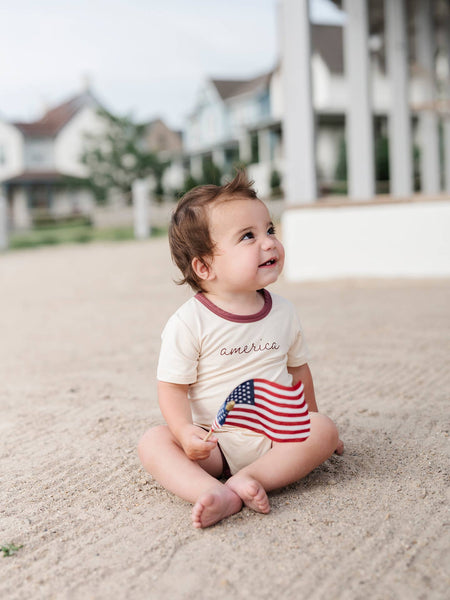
[55,118]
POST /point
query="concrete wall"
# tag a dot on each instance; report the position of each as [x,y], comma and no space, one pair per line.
[375,240]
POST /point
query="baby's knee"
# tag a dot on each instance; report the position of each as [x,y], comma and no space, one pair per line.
[152,440]
[325,429]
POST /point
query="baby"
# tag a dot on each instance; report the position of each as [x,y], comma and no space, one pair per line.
[232,330]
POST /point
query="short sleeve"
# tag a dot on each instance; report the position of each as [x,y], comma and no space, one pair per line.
[178,358]
[298,353]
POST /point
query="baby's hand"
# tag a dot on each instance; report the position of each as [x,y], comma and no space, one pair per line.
[340,447]
[193,445]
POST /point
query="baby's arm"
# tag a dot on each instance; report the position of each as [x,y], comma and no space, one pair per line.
[303,373]
[174,404]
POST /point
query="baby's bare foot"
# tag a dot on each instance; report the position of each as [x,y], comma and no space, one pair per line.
[215,505]
[251,491]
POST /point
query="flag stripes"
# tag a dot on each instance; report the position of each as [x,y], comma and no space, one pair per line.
[277,411]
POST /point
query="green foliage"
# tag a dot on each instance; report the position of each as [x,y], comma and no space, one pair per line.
[341,165]
[117,156]
[382,159]
[211,175]
[275,182]
[9,549]
[80,234]
[254,148]
[211,172]
[45,220]
[416,168]
[189,183]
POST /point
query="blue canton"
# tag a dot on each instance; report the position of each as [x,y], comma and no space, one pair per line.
[242,394]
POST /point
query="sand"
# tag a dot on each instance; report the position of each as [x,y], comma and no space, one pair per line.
[79,337]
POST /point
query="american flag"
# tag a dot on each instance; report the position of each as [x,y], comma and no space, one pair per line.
[277,411]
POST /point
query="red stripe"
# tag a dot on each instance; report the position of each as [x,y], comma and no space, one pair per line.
[301,438]
[287,421]
[266,427]
[272,394]
[278,385]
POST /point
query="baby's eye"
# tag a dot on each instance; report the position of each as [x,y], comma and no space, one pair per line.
[271,230]
[248,236]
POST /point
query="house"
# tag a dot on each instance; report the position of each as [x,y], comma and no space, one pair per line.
[162,140]
[168,145]
[241,120]
[40,162]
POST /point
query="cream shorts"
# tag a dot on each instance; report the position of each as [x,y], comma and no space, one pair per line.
[241,447]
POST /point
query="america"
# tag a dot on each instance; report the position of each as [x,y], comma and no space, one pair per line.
[249,348]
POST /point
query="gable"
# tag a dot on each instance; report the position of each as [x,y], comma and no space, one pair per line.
[57,117]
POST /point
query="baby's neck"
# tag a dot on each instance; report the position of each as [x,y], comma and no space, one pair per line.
[245,303]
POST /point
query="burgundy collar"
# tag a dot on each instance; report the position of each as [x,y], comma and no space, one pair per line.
[238,318]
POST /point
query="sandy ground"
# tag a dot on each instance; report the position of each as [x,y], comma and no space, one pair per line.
[79,337]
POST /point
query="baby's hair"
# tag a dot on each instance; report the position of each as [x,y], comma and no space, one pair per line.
[189,235]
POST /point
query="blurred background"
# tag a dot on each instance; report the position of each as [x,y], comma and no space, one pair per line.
[97,95]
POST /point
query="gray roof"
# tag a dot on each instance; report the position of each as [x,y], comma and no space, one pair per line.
[228,88]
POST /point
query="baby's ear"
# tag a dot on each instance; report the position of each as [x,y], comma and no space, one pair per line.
[201,268]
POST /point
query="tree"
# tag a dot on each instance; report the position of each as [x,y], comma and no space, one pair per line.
[117,156]
[211,172]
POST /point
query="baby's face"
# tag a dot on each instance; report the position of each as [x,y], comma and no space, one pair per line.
[248,256]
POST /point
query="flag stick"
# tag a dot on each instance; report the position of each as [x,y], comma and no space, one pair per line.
[208,435]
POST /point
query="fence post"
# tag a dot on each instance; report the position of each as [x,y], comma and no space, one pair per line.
[141,209]
[4,237]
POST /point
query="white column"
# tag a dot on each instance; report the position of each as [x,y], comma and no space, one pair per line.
[196,167]
[21,215]
[428,118]
[245,147]
[446,134]
[264,146]
[218,157]
[446,119]
[298,117]
[400,150]
[141,209]
[359,120]
[4,238]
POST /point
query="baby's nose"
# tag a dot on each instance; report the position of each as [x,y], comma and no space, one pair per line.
[268,243]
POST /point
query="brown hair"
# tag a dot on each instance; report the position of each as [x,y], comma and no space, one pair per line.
[189,235]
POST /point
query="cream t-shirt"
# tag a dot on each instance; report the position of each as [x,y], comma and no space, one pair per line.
[214,351]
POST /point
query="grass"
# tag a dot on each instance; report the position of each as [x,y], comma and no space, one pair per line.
[9,549]
[79,234]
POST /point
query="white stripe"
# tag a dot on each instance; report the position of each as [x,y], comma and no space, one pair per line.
[288,410]
[264,387]
[294,400]
[279,435]
[243,418]
[300,415]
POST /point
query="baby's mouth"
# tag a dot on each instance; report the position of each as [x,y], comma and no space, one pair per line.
[268,263]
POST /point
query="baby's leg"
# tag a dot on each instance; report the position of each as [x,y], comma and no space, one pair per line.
[165,460]
[285,463]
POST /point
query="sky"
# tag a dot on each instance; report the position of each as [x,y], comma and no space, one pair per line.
[143,58]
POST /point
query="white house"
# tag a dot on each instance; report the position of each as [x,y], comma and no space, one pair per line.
[242,120]
[40,162]
[37,158]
